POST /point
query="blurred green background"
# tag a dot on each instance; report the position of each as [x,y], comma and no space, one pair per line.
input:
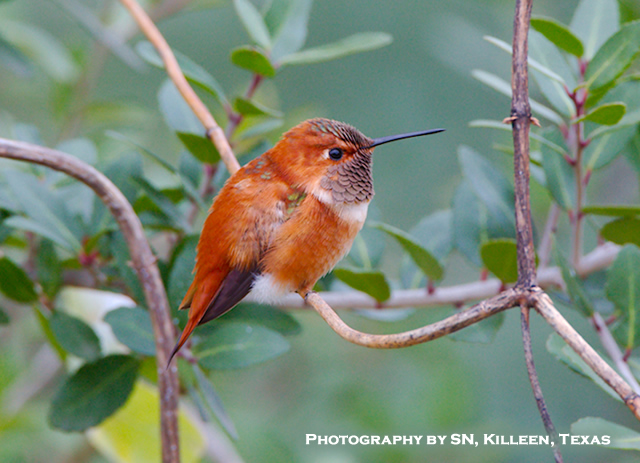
[325,385]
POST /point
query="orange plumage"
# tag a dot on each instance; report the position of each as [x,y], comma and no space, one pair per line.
[284,220]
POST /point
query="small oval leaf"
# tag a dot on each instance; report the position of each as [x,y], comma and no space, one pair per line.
[93,393]
[371,282]
[75,336]
[622,231]
[14,282]
[500,257]
[201,148]
[612,211]
[132,327]
[558,34]
[606,114]
[251,108]
[254,60]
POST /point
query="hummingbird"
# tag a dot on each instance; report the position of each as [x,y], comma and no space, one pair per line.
[284,220]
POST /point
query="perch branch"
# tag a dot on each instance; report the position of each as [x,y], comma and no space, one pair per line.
[143,262]
[213,131]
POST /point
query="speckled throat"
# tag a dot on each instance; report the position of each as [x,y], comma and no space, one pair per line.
[350,182]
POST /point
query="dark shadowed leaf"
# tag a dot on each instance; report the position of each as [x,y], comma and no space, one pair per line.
[614,57]
[621,437]
[355,43]
[422,258]
[180,274]
[606,114]
[4,318]
[558,34]
[165,205]
[238,345]
[14,282]
[500,258]
[49,268]
[622,231]
[132,327]
[253,59]
[75,336]
[371,282]
[253,22]
[201,147]
[93,393]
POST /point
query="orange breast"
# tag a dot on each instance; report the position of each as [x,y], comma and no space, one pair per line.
[308,245]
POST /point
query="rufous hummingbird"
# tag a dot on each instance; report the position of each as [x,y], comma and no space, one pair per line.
[283,220]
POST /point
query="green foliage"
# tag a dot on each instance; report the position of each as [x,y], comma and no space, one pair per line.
[75,336]
[372,282]
[15,283]
[93,393]
[621,437]
[500,257]
[132,327]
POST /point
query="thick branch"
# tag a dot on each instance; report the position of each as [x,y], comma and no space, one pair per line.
[143,262]
[521,119]
[213,130]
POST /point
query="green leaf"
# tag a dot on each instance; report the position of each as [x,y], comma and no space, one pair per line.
[213,401]
[594,22]
[500,257]
[368,246]
[14,60]
[164,204]
[504,87]
[489,184]
[422,258]
[253,22]
[4,318]
[356,43]
[42,48]
[612,211]
[564,353]
[132,327]
[614,57]
[176,112]
[434,232]
[238,345]
[606,114]
[575,286]
[14,282]
[552,73]
[265,315]
[622,231]
[47,213]
[75,336]
[287,22]
[201,148]
[623,289]
[192,71]
[558,34]
[181,270]
[49,268]
[93,393]
[620,437]
[479,333]
[371,282]
[256,127]
[251,108]
[469,222]
[253,59]
[560,176]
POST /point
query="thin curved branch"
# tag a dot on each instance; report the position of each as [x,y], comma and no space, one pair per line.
[144,263]
[505,300]
[213,131]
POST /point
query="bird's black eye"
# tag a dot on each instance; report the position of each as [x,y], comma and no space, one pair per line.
[335,154]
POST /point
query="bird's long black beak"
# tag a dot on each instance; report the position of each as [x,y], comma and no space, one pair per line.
[390,138]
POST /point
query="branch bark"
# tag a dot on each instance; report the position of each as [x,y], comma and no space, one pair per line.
[144,263]
[213,131]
